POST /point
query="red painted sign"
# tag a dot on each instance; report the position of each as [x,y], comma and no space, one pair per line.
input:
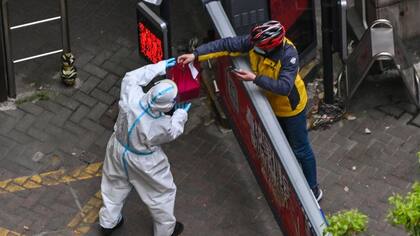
[261,155]
[150,44]
[298,17]
[287,12]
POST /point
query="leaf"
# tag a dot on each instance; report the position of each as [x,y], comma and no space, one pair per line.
[405,210]
[345,223]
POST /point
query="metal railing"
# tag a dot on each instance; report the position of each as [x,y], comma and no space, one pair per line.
[379,43]
[7,29]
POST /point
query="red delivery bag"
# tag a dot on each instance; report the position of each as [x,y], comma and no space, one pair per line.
[188,85]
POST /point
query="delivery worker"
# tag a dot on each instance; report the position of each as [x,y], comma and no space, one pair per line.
[275,64]
[134,157]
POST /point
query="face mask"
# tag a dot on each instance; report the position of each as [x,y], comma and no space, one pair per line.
[259,50]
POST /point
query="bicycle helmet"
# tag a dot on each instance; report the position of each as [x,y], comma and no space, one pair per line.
[268,35]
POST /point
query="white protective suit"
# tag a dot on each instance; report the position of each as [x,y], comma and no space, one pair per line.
[134,157]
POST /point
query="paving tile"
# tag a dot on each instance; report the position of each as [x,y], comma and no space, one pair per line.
[108,82]
[19,137]
[17,114]
[97,111]
[7,124]
[50,106]
[74,128]
[67,102]
[102,96]
[95,70]
[90,84]
[85,99]
[62,116]
[92,126]
[114,68]
[83,59]
[107,122]
[80,113]
[43,120]
[392,110]
[102,57]
[31,108]
[126,43]
[38,134]
[82,74]
[115,92]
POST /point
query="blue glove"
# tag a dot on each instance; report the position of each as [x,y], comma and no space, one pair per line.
[170,62]
[185,106]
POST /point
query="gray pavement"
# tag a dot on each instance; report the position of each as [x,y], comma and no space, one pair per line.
[217,193]
[359,170]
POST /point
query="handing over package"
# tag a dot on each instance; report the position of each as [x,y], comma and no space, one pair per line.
[187,78]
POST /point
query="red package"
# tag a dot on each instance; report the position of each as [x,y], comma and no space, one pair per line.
[188,87]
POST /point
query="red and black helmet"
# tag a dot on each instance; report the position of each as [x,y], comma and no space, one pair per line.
[268,35]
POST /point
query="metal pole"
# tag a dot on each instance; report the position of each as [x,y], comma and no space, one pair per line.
[326,15]
[165,13]
[65,26]
[3,71]
[11,83]
[68,70]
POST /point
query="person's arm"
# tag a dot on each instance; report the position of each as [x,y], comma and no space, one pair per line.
[167,129]
[284,84]
[142,76]
[223,47]
[232,46]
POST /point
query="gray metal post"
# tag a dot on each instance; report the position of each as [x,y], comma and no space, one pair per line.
[327,58]
[11,84]
[65,26]
[3,71]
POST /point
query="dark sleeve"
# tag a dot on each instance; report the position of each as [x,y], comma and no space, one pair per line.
[231,44]
[288,72]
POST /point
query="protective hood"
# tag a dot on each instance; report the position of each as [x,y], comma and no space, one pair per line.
[161,97]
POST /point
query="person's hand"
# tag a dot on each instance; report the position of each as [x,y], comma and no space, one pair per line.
[184,105]
[186,58]
[243,75]
[170,62]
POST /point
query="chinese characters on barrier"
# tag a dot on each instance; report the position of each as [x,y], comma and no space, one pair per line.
[233,93]
[150,44]
[270,164]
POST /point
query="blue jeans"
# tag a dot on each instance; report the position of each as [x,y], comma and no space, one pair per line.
[295,130]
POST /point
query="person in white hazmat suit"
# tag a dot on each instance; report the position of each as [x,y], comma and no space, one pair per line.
[134,157]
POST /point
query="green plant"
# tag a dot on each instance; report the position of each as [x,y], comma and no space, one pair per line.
[37,96]
[405,210]
[418,156]
[346,223]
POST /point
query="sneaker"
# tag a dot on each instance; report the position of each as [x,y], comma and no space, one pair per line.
[179,227]
[107,232]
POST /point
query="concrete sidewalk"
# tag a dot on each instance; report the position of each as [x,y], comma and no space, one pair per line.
[359,170]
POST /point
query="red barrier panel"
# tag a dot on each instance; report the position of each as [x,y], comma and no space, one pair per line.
[287,11]
[261,155]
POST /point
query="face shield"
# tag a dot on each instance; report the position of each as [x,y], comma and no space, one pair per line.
[162,96]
